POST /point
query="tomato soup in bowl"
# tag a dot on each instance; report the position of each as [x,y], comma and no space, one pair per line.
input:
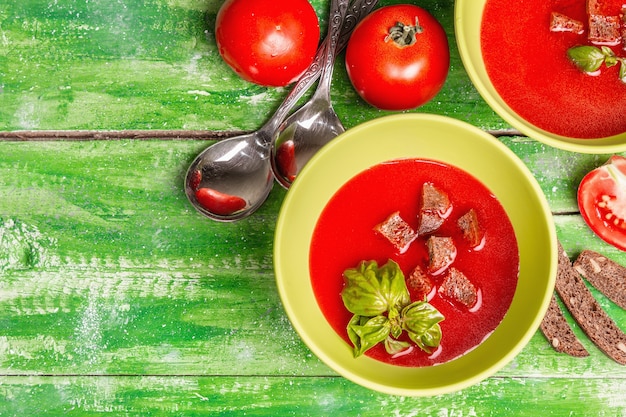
[517,56]
[343,237]
[380,167]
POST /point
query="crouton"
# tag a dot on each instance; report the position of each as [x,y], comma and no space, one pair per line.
[441,253]
[624,28]
[472,233]
[457,288]
[435,208]
[562,23]
[604,30]
[420,284]
[397,231]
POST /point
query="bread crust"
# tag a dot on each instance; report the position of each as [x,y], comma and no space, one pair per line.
[606,275]
[398,232]
[587,312]
[559,333]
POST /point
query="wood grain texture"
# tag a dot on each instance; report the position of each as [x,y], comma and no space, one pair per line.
[108,270]
[301,396]
[101,65]
[117,297]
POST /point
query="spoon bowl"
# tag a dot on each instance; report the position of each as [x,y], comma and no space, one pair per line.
[301,136]
[315,124]
[232,178]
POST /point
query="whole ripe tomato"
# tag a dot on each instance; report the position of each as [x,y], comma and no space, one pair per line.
[602,201]
[398,57]
[267,42]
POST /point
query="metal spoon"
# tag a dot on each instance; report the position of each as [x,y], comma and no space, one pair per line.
[313,125]
[232,178]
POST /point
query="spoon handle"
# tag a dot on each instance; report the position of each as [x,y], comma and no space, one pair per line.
[335,22]
[355,13]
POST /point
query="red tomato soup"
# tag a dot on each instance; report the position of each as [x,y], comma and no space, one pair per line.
[529,68]
[344,236]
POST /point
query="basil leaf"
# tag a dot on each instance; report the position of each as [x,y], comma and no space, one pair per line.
[419,317]
[622,70]
[587,58]
[430,339]
[393,279]
[371,291]
[366,332]
[395,321]
[394,346]
[362,294]
[608,52]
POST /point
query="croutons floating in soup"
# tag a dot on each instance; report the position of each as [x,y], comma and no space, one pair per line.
[447,232]
[530,51]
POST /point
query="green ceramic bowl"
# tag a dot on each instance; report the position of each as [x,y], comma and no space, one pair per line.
[430,137]
[468,20]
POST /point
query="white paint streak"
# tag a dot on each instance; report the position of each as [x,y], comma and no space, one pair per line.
[199,92]
[27,347]
[22,246]
[255,99]
[27,114]
[88,332]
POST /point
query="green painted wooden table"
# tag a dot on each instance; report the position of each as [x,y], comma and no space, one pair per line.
[117,297]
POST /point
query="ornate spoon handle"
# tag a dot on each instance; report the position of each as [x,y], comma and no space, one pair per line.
[355,13]
[335,22]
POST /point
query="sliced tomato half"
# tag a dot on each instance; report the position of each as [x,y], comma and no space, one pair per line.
[602,201]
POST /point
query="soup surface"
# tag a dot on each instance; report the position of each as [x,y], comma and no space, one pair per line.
[530,70]
[344,236]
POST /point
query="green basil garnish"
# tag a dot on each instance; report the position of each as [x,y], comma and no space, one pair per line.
[590,58]
[382,308]
[371,291]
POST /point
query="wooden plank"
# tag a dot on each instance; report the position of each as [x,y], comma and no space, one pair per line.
[115,296]
[147,321]
[155,170]
[558,172]
[106,269]
[154,65]
[299,396]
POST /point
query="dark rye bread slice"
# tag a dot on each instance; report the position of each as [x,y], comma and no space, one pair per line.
[589,315]
[557,330]
[606,275]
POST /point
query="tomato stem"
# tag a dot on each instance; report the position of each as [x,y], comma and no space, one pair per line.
[404,35]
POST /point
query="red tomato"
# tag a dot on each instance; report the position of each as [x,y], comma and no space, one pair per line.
[267,42]
[602,201]
[398,57]
[219,203]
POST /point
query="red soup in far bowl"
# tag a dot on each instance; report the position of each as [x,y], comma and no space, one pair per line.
[344,236]
[528,65]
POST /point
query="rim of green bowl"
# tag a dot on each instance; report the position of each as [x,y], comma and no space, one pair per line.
[467,23]
[315,186]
